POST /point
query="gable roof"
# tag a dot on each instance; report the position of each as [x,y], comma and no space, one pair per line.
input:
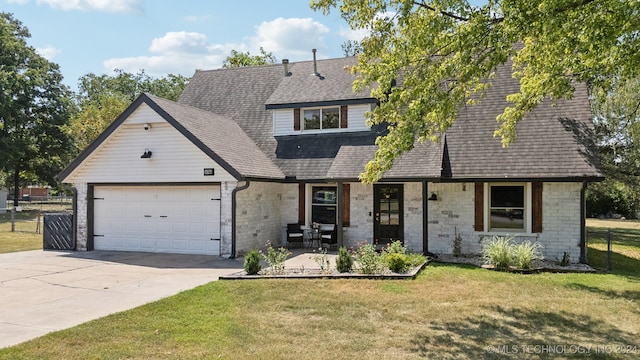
[207,131]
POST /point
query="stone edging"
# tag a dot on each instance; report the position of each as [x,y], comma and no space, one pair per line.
[315,274]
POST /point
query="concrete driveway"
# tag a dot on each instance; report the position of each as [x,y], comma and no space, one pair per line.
[44,291]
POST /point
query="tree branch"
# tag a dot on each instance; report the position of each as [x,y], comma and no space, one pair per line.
[454,16]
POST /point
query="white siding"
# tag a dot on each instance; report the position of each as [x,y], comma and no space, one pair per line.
[174,159]
[356,120]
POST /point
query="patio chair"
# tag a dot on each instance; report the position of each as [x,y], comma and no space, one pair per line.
[295,235]
[329,236]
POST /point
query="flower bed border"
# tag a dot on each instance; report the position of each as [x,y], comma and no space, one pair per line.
[302,274]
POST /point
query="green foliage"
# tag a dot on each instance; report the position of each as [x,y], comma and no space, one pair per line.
[252,262]
[502,252]
[368,260]
[275,258]
[344,261]
[448,51]
[322,261]
[457,245]
[240,59]
[612,196]
[395,247]
[34,107]
[525,253]
[397,262]
[498,251]
[415,259]
[566,260]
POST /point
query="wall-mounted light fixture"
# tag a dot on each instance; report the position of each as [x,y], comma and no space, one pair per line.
[147,154]
[433,197]
[147,126]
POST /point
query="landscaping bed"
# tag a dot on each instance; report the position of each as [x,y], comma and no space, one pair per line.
[537,266]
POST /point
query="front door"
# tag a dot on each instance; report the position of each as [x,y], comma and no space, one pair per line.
[388,218]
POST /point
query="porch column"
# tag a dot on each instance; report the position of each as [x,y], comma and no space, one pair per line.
[339,220]
[425,217]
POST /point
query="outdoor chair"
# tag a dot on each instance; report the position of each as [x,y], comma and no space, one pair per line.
[329,236]
[295,235]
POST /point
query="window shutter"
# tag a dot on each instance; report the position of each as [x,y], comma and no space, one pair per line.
[536,205]
[343,117]
[301,207]
[346,205]
[296,119]
[479,205]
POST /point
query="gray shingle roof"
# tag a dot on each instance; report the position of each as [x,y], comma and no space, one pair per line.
[552,142]
[214,132]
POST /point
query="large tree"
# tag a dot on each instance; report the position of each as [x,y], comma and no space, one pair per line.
[102,98]
[447,51]
[34,106]
[242,59]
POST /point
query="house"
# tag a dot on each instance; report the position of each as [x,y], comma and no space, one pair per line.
[246,151]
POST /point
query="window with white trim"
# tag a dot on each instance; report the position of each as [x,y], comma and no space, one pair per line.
[321,118]
[507,207]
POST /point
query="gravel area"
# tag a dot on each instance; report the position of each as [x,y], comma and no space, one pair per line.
[538,266]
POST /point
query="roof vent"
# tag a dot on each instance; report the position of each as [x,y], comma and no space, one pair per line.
[285,62]
[315,65]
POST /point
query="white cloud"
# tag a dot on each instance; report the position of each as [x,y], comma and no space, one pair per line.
[353,35]
[180,42]
[183,52]
[291,38]
[112,6]
[48,52]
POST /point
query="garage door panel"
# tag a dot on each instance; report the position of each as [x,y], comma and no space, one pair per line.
[175,219]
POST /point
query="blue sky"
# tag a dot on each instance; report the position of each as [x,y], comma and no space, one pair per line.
[170,36]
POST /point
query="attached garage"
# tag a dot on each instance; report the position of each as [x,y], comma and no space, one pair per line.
[168,219]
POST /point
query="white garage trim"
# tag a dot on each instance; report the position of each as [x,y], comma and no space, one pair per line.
[170,219]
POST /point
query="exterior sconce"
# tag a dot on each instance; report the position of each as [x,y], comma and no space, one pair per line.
[147,154]
[147,126]
[433,197]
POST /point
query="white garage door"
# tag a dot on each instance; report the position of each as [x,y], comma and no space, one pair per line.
[171,219]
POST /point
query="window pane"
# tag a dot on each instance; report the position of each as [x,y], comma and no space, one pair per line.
[507,196]
[323,214]
[507,219]
[312,119]
[324,195]
[330,118]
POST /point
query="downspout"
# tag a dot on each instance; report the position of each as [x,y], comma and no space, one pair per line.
[234,192]
[583,215]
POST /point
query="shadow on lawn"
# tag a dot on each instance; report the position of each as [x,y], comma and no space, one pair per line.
[497,333]
[627,294]
[620,264]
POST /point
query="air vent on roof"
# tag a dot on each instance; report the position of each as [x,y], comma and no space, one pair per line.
[285,62]
[315,65]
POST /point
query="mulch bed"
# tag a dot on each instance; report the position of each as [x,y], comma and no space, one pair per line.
[538,266]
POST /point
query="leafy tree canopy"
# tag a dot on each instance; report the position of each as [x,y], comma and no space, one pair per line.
[102,98]
[447,51]
[240,59]
[34,107]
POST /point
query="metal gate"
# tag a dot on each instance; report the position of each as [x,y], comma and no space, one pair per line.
[58,232]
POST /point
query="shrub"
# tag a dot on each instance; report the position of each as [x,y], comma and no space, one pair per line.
[367,259]
[414,259]
[525,253]
[252,262]
[565,261]
[276,258]
[395,247]
[322,261]
[397,262]
[457,245]
[498,251]
[344,262]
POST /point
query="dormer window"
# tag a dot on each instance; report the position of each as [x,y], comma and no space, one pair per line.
[322,118]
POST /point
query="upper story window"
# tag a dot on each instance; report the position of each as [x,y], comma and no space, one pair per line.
[323,118]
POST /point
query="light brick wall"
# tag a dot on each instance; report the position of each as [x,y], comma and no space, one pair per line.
[561,220]
[226,191]
[361,213]
[413,215]
[258,216]
[81,220]
[452,214]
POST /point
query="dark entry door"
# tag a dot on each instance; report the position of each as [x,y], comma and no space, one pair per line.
[388,218]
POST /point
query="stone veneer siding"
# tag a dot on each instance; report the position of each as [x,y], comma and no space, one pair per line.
[82,216]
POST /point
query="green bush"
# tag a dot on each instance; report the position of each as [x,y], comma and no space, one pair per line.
[498,251]
[502,253]
[525,253]
[276,258]
[414,259]
[397,262]
[368,260]
[344,262]
[252,262]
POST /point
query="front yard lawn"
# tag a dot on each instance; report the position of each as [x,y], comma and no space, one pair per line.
[448,312]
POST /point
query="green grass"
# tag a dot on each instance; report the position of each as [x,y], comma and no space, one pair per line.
[448,312]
